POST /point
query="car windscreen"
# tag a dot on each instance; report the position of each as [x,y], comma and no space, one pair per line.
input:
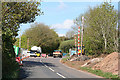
[33,51]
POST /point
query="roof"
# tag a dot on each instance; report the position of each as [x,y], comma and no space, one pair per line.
[58,50]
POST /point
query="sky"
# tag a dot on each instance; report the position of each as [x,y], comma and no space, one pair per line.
[60,15]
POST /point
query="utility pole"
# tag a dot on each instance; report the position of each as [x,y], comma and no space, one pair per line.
[20,39]
[20,48]
[28,44]
[82,33]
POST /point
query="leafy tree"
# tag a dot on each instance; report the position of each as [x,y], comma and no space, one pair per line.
[23,41]
[41,35]
[77,22]
[103,21]
[63,38]
[100,29]
[13,14]
[70,34]
[66,45]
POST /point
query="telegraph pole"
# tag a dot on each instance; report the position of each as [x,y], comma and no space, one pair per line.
[82,33]
[20,40]
[20,48]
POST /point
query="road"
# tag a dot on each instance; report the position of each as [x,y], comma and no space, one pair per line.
[50,68]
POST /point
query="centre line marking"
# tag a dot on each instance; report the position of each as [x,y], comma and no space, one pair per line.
[51,69]
[46,66]
[60,75]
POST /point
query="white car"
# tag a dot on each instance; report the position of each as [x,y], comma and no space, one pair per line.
[32,54]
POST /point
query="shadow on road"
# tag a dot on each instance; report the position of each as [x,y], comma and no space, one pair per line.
[35,63]
[31,64]
[50,64]
[23,73]
[26,69]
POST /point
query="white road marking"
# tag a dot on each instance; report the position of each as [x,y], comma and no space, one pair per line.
[51,69]
[46,66]
[61,75]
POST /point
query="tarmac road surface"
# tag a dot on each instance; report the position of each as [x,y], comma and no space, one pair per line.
[50,68]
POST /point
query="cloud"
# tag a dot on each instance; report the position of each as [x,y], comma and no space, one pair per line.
[65,25]
[62,5]
[60,35]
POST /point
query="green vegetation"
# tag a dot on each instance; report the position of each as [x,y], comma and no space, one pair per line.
[13,14]
[70,34]
[100,73]
[65,59]
[100,29]
[67,54]
[14,72]
[100,33]
[23,41]
[41,35]
[66,45]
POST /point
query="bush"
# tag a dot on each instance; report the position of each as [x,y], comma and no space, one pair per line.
[66,45]
[9,65]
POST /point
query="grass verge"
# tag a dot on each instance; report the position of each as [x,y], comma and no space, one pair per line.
[101,73]
[65,59]
[107,75]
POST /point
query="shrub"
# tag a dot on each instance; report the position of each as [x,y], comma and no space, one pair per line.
[66,45]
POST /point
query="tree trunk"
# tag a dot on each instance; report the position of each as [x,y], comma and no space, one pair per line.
[105,40]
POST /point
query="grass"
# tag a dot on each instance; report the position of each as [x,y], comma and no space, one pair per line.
[73,64]
[101,73]
[67,54]
[65,59]
[107,75]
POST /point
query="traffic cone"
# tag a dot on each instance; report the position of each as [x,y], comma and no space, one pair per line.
[21,62]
